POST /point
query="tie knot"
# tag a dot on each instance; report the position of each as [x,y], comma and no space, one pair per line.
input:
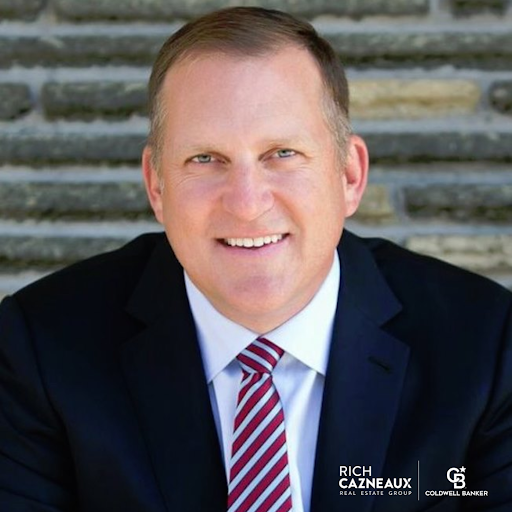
[261,356]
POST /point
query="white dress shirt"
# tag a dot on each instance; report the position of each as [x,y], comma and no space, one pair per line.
[299,376]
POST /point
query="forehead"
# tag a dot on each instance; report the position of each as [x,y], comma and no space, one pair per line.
[287,76]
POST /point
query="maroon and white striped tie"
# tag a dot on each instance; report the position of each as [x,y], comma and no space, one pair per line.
[259,479]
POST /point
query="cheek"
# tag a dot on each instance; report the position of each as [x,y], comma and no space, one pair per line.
[336,188]
[320,196]
[187,211]
[330,211]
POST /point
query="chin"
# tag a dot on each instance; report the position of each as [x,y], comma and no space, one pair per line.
[262,308]
[261,288]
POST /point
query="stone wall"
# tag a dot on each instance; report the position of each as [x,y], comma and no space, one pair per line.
[431,85]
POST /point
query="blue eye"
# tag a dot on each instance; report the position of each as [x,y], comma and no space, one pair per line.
[285,153]
[203,159]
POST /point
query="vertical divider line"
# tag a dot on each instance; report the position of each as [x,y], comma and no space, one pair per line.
[418,480]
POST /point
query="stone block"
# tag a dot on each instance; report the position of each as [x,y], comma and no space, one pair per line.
[408,99]
[42,147]
[376,205]
[25,10]
[156,10]
[79,50]
[64,200]
[472,7]
[398,147]
[500,96]
[14,100]
[480,253]
[51,252]
[474,203]
[86,100]
[486,49]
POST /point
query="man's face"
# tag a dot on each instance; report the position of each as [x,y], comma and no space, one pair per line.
[252,194]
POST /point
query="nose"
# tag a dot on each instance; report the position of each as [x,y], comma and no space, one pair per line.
[248,194]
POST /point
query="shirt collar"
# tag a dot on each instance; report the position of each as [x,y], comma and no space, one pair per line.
[306,336]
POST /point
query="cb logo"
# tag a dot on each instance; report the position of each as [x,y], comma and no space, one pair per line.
[457,477]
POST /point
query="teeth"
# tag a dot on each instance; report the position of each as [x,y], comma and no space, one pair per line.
[253,242]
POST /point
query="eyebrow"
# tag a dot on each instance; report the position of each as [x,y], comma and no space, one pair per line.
[198,149]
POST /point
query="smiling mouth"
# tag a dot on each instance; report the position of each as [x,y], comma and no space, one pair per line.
[253,242]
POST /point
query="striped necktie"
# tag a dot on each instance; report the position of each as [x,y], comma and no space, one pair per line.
[259,479]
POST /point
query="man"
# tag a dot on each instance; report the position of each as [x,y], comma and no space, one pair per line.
[245,361]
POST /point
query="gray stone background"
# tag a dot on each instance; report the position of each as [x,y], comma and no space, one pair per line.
[431,86]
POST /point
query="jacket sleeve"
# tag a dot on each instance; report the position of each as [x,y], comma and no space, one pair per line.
[36,470]
[490,455]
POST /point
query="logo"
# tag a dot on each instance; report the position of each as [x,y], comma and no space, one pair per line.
[358,480]
[457,477]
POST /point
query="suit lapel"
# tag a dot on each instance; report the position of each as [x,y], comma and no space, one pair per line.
[164,373]
[363,384]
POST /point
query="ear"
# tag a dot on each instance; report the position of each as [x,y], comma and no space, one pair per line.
[356,173]
[153,184]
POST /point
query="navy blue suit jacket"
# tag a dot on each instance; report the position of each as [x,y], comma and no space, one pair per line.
[104,405]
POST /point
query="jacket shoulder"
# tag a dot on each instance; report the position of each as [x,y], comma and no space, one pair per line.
[420,279]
